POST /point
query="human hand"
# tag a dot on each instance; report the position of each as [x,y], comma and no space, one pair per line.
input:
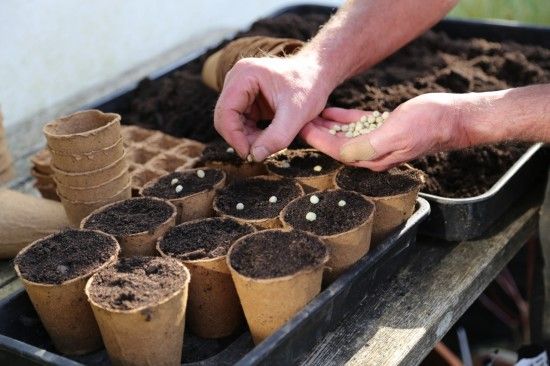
[422,125]
[291,91]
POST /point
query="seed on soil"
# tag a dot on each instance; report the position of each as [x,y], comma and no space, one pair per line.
[317,168]
[314,199]
[62,269]
[200,173]
[285,164]
[272,199]
[341,203]
[239,206]
[174,181]
[230,150]
[179,189]
[311,216]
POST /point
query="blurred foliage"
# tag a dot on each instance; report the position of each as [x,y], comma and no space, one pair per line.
[525,11]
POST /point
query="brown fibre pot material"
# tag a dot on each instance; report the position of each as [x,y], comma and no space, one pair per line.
[194,206]
[238,172]
[64,311]
[150,335]
[78,210]
[82,132]
[48,191]
[261,224]
[93,177]
[346,248]
[25,218]
[218,65]
[269,303]
[42,179]
[91,160]
[95,193]
[42,162]
[143,243]
[214,309]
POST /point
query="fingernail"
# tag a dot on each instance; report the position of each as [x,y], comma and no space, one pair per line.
[259,153]
[357,151]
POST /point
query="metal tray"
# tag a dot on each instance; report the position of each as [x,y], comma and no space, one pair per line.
[456,219]
[23,340]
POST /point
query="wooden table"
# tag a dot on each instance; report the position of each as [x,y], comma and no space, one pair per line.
[397,324]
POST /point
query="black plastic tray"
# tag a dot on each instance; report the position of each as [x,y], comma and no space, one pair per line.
[23,340]
[456,219]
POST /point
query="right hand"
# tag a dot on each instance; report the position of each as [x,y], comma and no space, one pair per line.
[291,91]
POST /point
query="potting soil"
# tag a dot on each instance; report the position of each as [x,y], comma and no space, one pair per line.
[301,165]
[331,218]
[190,183]
[377,184]
[217,152]
[270,254]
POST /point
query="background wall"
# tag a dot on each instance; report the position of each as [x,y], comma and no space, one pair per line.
[51,50]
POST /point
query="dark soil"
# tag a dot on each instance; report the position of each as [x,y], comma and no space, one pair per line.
[190,182]
[132,216]
[135,282]
[217,152]
[208,238]
[254,193]
[277,253]
[301,163]
[331,218]
[182,105]
[377,184]
[66,255]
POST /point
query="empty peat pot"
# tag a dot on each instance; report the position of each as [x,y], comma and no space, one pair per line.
[213,310]
[276,272]
[394,193]
[136,223]
[251,200]
[139,304]
[83,132]
[220,155]
[54,271]
[191,191]
[87,161]
[314,170]
[342,219]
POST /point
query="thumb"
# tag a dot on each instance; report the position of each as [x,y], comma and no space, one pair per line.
[278,135]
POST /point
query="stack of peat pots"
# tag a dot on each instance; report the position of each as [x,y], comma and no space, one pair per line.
[88,161]
[6,168]
[42,172]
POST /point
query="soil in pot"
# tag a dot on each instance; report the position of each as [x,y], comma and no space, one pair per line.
[139,303]
[394,193]
[137,223]
[252,199]
[214,310]
[54,271]
[221,155]
[276,273]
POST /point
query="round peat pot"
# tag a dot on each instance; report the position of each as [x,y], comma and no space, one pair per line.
[78,210]
[42,161]
[222,156]
[276,273]
[136,223]
[394,193]
[82,132]
[42,179]
[90,160]
[54,271]
[94,193]
[213,310]
[93,177]
[314,170]
[250,200]
[342,219]
[139,304]
[191,191]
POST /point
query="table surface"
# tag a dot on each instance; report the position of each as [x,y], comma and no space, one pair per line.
[405,317]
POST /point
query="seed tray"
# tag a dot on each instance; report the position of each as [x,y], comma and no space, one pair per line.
[23,339]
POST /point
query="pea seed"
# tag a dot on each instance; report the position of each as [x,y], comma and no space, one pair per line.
[272,199]
[341,203]
[240,206]
[314,199]
[311,216]
[230,150]
[200,173]
[317,168]
[376,114]
[179,188]
[174,181]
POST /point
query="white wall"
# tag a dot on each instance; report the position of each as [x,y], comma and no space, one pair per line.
[52,49]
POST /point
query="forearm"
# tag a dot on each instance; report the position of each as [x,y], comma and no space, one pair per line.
[363,32]
[513,114]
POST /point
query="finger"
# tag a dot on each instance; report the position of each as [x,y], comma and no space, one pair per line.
[343,115]
[236,98]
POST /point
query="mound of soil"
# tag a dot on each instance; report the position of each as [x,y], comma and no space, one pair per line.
[277,253]
[217,152]
[66,255]
[189,181]
[182,105]
[299,163]
[377,184]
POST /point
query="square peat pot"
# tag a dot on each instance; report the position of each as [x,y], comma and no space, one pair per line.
[24,341]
